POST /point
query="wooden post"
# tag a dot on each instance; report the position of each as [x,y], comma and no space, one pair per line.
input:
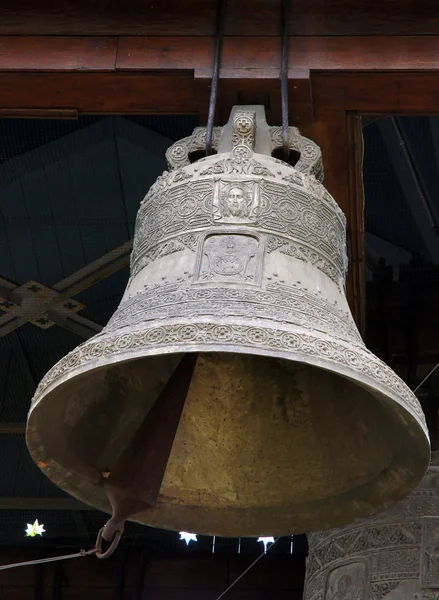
[339,135]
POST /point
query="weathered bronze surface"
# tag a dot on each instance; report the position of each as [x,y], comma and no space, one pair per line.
[290,424]
[392,556]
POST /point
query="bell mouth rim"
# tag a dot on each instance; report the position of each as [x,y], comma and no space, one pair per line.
[191,516]
[336,519]
[350,372]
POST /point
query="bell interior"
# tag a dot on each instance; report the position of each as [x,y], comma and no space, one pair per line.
[264,445]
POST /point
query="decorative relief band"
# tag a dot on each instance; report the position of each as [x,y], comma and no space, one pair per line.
[306,254]
[382,588]
[277,302]
[174,336]
[284,245]
[166,247]
[313,227]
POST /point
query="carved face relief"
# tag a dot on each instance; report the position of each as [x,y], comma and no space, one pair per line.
[236,202]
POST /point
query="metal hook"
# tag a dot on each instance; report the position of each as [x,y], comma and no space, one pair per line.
[103,555]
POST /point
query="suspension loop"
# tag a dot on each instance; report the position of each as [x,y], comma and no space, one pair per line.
[215,76]
[284,77]
[98,546]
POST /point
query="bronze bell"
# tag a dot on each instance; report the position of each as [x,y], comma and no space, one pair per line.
[231,392]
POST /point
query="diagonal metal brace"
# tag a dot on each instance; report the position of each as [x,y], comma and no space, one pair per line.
[34,303]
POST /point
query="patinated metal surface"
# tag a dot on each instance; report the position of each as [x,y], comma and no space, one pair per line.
[393,556]
[290,423]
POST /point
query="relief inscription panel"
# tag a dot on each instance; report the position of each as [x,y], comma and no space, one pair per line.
[230,258]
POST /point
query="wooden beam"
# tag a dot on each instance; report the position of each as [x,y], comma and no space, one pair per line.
[250,55]
[198,17]
[148,92]
[112,93]
[339,136]
[169,69]
[58,53]
[377,93]
[327,68]
[260,56]
[356,283]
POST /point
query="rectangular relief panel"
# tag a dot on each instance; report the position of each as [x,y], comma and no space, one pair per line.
[229,258]
[349,579]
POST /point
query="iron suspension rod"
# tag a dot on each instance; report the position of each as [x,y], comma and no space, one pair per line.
[284,76]
[215,76]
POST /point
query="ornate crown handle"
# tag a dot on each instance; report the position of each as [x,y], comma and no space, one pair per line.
[243,140]
[178,154]
[310,161]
